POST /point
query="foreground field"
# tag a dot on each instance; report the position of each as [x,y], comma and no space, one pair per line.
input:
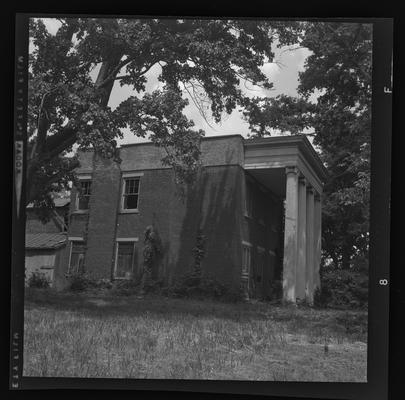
[99,336]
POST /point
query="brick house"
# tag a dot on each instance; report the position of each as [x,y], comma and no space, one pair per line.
[257,201]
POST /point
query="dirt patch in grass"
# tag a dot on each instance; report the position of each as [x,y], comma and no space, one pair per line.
[104,336]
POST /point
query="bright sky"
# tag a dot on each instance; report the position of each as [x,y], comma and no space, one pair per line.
[283,72]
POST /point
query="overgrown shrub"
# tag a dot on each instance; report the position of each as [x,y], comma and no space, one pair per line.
[276,290]
[79,282]
[193,285]
[125,287]
[342,289]
[38,280]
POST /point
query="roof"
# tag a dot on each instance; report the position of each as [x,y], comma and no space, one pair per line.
[204,138]
[59,202]
[300,140]
[45,240]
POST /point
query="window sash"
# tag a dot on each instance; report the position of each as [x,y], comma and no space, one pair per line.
[130,194]
[124,266]
[131,185]
[77,254]
[246,261]
[83,195]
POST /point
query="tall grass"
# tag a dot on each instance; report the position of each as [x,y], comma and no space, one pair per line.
[165,338]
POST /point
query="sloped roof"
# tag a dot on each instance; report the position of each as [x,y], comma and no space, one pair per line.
[45,240]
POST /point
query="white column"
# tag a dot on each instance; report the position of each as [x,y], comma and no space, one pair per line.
[317,239]
[290,235]
[301,260]
[309,290]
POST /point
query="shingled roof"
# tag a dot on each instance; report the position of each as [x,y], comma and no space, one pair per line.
[45,240]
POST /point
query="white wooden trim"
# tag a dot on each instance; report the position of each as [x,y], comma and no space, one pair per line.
[129,210]
[247,243]
[130,239]
[84,177]
[116,260]
[125,176]
[72,239]
[131,174]
[70,256]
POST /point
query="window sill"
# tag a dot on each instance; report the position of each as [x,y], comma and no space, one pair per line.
[130,211]
[122,279]
[80,212]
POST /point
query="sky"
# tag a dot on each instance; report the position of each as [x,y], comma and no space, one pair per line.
[283,73]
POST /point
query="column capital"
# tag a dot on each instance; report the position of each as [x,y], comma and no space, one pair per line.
[310,189]
[291,170]
[302,179]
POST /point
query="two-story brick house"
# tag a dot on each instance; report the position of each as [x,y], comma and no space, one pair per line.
[257,201]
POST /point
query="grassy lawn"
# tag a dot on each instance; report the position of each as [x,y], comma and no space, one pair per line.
[71,335]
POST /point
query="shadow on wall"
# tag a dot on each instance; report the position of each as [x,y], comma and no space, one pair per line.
[213,204]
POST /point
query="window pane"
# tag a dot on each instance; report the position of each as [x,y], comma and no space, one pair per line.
[246,259]
[126,248]
[84,195]
[86,187]
[131,201]
[83,202]
[77,258]
[124,260]
[131,186]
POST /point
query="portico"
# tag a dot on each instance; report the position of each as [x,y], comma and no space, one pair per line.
[290,167]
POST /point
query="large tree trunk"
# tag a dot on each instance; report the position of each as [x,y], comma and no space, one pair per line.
[45,148]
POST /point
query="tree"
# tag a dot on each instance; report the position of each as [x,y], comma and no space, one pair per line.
[206,58]
[338,71]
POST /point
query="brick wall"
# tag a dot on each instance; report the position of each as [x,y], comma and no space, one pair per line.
[214,204]
[102,221]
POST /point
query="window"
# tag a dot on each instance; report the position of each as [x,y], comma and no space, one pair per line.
[76,263]
[246,260]
[130,194]
[260,264]
[83,195]
[248,201]
[124,260]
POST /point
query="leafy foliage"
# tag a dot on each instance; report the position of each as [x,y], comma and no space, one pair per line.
[125,287]
[338,72]
[342,289]
[68,106]
[199,251]
[194,285]
[152,251]
[79,282]
[38,280]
